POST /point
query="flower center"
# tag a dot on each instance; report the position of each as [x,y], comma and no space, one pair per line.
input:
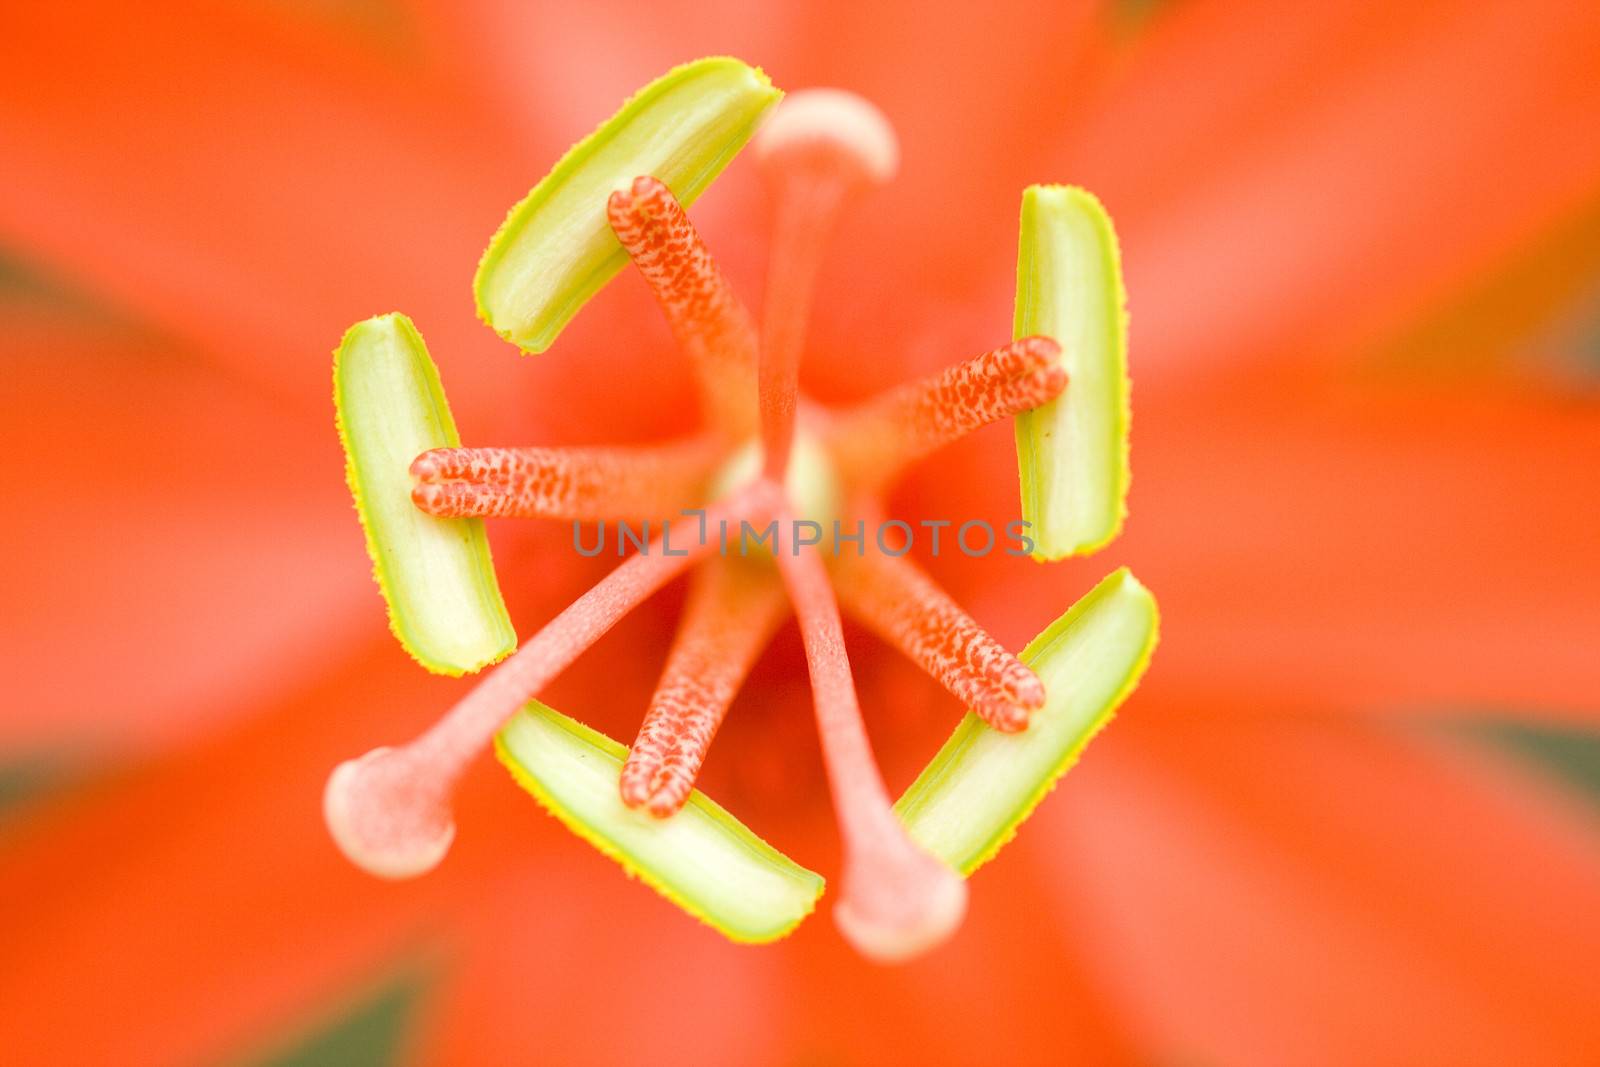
[811,482]
[764,458]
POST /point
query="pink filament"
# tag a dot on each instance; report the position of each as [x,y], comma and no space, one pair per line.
[897,900]
[904,607]
[564,483]
[707,319]
[734,607]
[808,205]
[389,810]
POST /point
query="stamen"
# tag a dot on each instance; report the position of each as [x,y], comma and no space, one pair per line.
[819,147]
[897,900]
[564,483]
[876,440]
[707,319]
[389,811]
[904,607]
[734,607]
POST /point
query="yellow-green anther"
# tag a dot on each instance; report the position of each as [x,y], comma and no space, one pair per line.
[702,859]
[1072,453]
[555,249]
[983,783]
[435,574]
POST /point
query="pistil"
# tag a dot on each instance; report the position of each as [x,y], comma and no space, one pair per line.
[565,483]
[897,900]
[706,318]
[820,146]
[389,811]
[734,607]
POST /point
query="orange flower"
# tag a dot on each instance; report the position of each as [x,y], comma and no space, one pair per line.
[1270,857]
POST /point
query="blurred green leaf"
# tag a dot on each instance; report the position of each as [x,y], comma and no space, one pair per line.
[386,23]
[1569,754]
[25,777]
[27,282]
[372,1032]
[1587,354]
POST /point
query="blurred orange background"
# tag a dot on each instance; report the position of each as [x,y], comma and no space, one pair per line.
[1353,814]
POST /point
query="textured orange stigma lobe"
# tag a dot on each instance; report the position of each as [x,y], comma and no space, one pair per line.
[734,607]
[904,607]
[707,319]
[878,439]
[564,483]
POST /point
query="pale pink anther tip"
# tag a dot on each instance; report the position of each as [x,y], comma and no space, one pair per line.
[637,789]
[384,818]
[1011,720]
[833,129]
[653,792]
[628,193]
[896,914]
[665,805]
[425,466]
[1029,693]
[647,185]
[1044,351]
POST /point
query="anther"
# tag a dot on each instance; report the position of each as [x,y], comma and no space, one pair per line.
[707,319]
[897,900]
[734,607]
[564,483]
[819,147]
[389,811]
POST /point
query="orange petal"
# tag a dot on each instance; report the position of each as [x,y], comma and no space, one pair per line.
[1242,887]
[1372,550]
[1388,551]
[175,541]
[686,994]
[248,183]
[1006,989]
[1290,184]
[207,877]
